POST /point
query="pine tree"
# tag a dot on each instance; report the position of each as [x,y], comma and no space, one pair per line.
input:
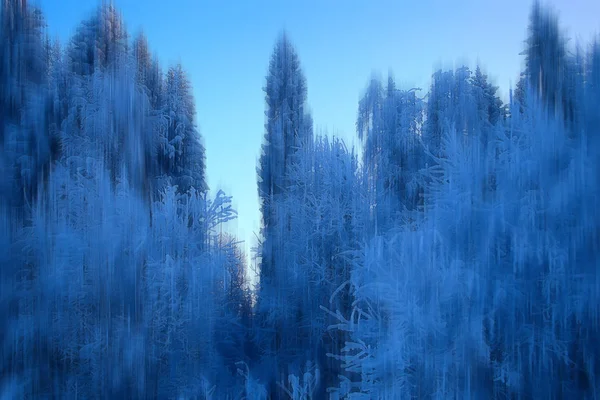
[545,58]
[181,152]
[287,129]
[389,123]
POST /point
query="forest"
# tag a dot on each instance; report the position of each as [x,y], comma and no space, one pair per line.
[452,255]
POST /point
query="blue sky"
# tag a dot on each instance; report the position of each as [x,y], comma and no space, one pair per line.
[225,48]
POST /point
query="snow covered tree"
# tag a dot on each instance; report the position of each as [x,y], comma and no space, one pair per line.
[389,124]
[100,42]
[143,58]
[453,104]
[25,143]
[489,105]
[288,127]
[547,63]
[112,39]
[323,208]
[233,339]
[181,154]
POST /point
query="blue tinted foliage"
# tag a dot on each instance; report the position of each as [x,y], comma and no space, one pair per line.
[453,256]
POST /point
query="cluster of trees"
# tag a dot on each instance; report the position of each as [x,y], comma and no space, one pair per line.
[458,259]
[116,280]
[453,256]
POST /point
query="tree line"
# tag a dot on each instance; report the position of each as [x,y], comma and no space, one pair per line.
[454,255]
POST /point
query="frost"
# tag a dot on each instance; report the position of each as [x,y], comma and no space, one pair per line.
[453,256]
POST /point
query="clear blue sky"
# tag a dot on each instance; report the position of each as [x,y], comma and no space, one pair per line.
[225,47]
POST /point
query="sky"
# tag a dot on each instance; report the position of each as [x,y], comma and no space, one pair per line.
[225,48]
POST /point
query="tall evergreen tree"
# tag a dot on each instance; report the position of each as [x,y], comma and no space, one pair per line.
[389,124]
[288,127]
[181,152]
[546,59]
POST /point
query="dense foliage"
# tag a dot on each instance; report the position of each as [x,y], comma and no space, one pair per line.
[455,255]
